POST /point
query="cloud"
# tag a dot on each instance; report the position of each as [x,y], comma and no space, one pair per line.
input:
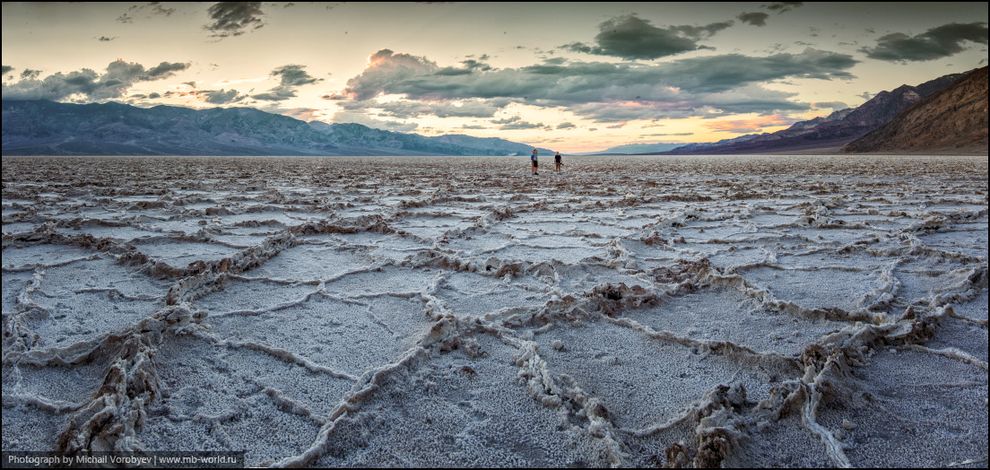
[364,119]
[936,43]
[7,69]
[752,99]
[86,83]
[783,7]
[152,8]
[387,69]
[578,82]
[294,75]
[747,99]
[749,126]
[717,73]
[566,125]
[478,108]
[234,18]
[631,37]
[29,74]
[275,94]
[290,77]
[163,70]
[755,19]
[158,9]
[106,38]
[702,32]
[515,123]
[221,96]
[468,66]
[830,105]
[607,91]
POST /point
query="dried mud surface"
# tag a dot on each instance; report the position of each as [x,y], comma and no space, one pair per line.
[700,311]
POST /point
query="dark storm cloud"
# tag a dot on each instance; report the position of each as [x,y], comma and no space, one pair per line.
[29,74]
[234,18]
[113,83]
[581,82]
[783,7]
[467,66]
[701,32]
[290,77]
[755,18]
[717,73]
[606,92]
[631,37]
[151,8]
[294,75]
[221,96]
[936,43]
[164,69]
[158,9]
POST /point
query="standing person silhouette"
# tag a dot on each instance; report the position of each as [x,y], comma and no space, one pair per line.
[557,162]
[536,164]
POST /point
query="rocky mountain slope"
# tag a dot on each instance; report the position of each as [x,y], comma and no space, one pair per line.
[832,131]
[954,119]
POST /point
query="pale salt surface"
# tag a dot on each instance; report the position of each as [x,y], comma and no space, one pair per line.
[734,311]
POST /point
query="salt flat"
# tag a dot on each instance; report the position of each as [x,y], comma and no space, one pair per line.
[736,311]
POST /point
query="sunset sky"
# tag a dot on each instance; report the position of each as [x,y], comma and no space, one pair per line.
[572,77]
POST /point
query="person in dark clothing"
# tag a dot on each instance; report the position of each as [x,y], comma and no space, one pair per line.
[536,164]
[557,162]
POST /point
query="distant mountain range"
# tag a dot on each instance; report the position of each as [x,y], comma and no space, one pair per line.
[952,120]
[830,132]
[50,128]
[634,149]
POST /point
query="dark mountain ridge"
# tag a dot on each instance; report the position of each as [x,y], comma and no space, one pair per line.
[50,128]
[829,132]
[952,120]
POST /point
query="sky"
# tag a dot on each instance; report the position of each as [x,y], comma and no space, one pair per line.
[570,77]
